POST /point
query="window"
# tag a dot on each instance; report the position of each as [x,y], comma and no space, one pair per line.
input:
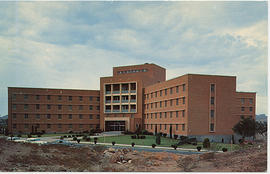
[156,105]
[25,96]
[212,113]
[25,116]
[80,98]
[37,126]
[70,116]
[59,97]
[70,107]
[80,116]
[59,116]
[171,114]
[98,116]
[242,117]
[184,87]
[160,93]
[48,116]
[151,115]
[171,102]
[212,100]
[90,98]
[14,107]
[80,107]
[98,98]
[151,126]
[250,109]
[165,114]
[26,126]
[183,127]
[70,98]
[177,101]
[242,100]
[177,89]
[48,106]
[147,96]
[212,87]
[90,116]
[37,106]
[171,90]
[147,116]
[70,125]
[155,115]
[160,115]
[14,116]
[151,95]
[165,91]
[165,103]
[90,107]
[176,126]
[242,109]
[176,114]
[97,107]
[48,126]
[183,113]
[250,101]
[165,126]
[212,127]
[14,126]
[59,107]
[184,100]
[160,104]
[151,105]
[59,126]
[37,116]
[13,96]
[156,94]
[160,126]
[90,126]
[37,97]
[80,126]
[48,97]
[25,106]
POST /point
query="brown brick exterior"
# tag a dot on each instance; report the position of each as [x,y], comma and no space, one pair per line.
[137,95]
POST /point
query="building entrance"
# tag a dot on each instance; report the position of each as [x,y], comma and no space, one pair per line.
[114,125]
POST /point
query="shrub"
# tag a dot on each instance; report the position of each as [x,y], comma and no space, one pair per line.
[128,133]
[19,135]
[73,135]
[43,131]
[158,139]
[96,138]
[194,144]
[154,145]
[113,143]
[164,135]
[132,144]
[70,132]
[174,146]
[241,141]
[175,136]
[133,137]
[29,136]
[78,141]
[182,138]
[86,132]
[61,138]
[95,141]
[88,139]
[224,149]
[199,148]
[250,143]
[74,138]
[143,137]
[84,137]
[65,136]
[206,143]
[39,135]
[69,136]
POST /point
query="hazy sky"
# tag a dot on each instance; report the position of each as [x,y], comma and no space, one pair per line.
[73,44]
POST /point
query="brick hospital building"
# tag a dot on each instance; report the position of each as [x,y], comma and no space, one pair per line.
[136,96]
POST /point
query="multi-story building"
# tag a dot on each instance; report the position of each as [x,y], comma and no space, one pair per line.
[52,110]
[135,97]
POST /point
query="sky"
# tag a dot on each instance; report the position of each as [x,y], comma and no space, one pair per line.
[72,44]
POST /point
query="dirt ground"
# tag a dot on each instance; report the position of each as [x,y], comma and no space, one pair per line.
[20,157]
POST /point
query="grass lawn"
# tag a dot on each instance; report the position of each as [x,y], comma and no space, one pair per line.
[165,142]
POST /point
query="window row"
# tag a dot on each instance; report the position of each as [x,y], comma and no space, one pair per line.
[48,126]
[49,107]
[171,91]
[132,71]
[164,114]
[165,103]
[250,109]
[243,100]
[60,116]
[164,126]
[59,97]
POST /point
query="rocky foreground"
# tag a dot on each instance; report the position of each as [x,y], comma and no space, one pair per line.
[19,157]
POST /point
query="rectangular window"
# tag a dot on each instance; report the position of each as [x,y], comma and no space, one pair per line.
[165,126]
[147,116]
[155,115]
[90,116]
[165,91]
[250,101]
[97,107]
[165,103]
[177,101]
[59,125]
[80,107]
[212,113]
[98,98]
[70,107]
[37,116]
[212,100]
[26,126]
[160,115]
[59,107]
[14,126]
[155,94]
[80,126]
[151,105]
[80,98]
[250,109]
[70,116]
[37,106]
[151,95]
[37,97]
[80,116]
[48,97]
[70,125]
[176,114]
[165,114]
[212,87]
[183,113]
[59,97]
[26,107]
[177,89]
[14,116]
[98,116]
[184,100]
[171,90]
[70,98]
[48,126]
[160,93]
[171,102]
[160,104]
[151,115]
[171,114]
[183,127]
[160,126]
[90,98]
[242,100]
[48,116]
[90,107]
[212,127]
[25,96]
[184,87]
[176,126]
[242,108]
[156,105]
[59,116]
[13,96]
[14,107]
[151,126]
[48,106]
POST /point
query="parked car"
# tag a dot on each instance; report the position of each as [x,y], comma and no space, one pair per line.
[13,138]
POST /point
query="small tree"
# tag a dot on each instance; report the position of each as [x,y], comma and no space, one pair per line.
[158,139]
[261,128]
[170,131]
[246,127]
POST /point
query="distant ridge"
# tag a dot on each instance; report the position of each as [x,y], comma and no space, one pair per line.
[4,117]
[261,118]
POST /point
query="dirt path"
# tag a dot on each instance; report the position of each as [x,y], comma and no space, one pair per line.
[21,157]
